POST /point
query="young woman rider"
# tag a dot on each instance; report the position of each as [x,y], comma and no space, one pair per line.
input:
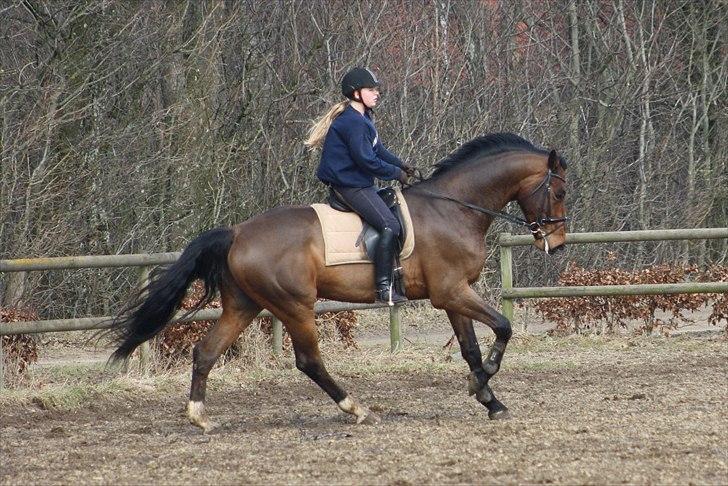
[352,157]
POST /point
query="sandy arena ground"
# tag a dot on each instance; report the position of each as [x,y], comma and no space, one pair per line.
[585,410]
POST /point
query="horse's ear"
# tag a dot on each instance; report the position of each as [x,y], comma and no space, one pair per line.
[553,160]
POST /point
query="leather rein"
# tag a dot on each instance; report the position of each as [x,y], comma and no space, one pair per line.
[535,227]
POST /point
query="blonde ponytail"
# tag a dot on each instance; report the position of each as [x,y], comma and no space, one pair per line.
[318,131]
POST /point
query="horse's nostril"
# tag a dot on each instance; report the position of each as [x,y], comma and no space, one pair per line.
[558,248]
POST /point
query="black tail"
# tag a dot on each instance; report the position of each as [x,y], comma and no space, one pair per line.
[204,258]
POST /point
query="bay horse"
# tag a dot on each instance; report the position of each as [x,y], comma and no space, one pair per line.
[275,261]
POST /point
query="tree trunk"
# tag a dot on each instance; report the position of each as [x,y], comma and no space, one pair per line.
[575,79]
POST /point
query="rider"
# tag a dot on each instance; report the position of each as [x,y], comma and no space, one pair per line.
[352,156]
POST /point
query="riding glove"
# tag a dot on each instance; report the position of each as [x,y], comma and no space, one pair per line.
[408,168]
[403,177]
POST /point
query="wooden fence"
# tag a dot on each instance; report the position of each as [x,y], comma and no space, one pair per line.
[509,293]
[146,261]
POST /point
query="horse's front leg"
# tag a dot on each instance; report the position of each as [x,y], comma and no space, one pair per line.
[461,310]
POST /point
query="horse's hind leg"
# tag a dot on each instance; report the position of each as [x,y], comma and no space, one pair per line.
[238,312]
[301,326]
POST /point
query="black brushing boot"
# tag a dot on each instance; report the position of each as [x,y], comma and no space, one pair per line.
[383,262]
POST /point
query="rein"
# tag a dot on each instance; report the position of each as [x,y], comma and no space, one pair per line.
[535,227]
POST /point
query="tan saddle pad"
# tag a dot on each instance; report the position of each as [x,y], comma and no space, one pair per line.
[341,230]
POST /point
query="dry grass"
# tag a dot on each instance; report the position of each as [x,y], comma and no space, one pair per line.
[70,386]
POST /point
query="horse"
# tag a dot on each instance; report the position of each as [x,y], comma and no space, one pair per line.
[275,261]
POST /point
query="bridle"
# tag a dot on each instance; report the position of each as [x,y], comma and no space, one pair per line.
[535,227]
[543,219]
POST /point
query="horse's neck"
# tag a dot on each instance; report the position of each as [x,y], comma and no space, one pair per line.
[489,184]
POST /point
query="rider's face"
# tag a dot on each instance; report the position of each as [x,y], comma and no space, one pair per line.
[370,96]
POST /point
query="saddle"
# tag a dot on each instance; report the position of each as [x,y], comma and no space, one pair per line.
[369,235]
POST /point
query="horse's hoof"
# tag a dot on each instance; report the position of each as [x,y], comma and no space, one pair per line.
[210,427]
[500,414]
[207,425]
[370,418]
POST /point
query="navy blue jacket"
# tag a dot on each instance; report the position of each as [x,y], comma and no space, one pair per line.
[353,155]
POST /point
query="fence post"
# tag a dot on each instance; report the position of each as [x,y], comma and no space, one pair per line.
[395,341]
[506,265]
[144,349]
[277,337]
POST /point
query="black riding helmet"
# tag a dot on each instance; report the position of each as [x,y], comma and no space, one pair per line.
[357,79]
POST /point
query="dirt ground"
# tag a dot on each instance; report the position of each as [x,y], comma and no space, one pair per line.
[585,410]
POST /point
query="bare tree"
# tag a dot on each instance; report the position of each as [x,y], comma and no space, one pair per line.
[131,126]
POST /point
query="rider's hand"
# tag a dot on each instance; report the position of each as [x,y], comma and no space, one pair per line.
[403,177]
[409,169]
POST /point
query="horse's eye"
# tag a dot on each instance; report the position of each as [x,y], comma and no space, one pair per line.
[560,195]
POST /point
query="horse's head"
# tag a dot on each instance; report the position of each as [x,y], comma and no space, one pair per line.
[541,198]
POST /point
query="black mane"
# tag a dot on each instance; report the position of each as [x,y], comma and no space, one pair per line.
[492,144]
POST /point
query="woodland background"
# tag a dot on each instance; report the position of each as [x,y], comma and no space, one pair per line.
[130,127]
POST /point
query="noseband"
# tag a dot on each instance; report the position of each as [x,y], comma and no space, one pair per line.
[535,227]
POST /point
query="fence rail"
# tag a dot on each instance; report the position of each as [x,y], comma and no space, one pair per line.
[89,261]
[508,292]
[91,323]
[506,239]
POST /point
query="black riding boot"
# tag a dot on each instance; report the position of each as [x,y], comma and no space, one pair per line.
[383,263]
